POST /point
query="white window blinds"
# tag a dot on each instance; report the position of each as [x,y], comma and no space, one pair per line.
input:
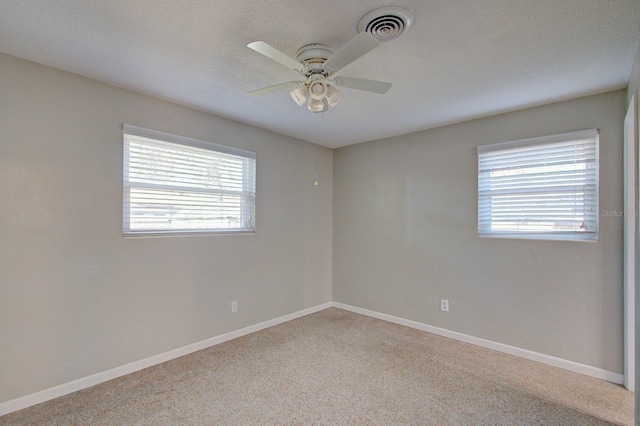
[540,188]
[180,185]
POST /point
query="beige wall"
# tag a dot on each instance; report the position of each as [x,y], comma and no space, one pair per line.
[75,297]
[405,236]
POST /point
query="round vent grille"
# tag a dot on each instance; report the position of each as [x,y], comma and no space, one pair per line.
[385,23]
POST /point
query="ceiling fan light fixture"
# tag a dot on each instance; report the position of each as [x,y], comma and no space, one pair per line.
[315,105]
[317,63]
[333,96]
[299,94]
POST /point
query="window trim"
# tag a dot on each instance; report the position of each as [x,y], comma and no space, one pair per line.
[128,129]
[555,236]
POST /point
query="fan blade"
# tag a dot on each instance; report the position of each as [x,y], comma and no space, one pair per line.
[374,86]
[270,89]
[354,49]
[273,53]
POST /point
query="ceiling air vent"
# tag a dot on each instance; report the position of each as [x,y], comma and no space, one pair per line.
[386,23]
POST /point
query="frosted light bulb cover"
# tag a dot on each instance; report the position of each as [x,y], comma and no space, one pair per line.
[333,96]
[318,89]
[315,105]
[299,95]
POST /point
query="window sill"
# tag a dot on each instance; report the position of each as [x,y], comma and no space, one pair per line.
[588,238]
[185,234]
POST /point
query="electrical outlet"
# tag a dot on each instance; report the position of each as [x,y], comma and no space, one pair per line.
[444,305]
[234,306]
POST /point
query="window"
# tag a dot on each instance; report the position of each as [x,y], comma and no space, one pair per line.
[176,185]
[542,188]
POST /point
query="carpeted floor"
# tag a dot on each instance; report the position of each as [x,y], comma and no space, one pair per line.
[336,367]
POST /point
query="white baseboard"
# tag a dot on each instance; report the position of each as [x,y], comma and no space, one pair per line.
[576,367]
[94,379]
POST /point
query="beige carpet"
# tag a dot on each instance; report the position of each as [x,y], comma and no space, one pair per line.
[336,367]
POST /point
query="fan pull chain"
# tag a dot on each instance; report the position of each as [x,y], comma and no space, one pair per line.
[316,148]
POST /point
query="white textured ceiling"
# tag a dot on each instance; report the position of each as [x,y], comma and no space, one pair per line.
[461,59]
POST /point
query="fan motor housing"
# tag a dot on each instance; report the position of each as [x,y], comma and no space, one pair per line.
[313,57]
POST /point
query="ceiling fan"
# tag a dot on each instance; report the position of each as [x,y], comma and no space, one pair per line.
[318,64]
